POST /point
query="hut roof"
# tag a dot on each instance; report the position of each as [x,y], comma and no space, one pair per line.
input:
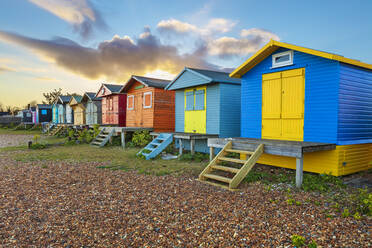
[208,75]
[147,81]
[273,45]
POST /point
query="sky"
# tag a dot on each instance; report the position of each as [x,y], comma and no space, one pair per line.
[78,44]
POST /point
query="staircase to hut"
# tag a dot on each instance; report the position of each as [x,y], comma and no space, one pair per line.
[103,137]
[230,166]
[55,130]
[156,146]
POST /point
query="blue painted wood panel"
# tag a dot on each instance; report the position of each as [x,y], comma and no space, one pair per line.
[321,97]
[213,109]
[180,111]
[229,110]
[188,79]
[355,105]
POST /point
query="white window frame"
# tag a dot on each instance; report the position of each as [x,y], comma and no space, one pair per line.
[285,63]
[144,102]
[130,96]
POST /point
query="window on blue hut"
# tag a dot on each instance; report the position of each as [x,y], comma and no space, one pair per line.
[199,99]
[43,112]
[282,59]
[190,100]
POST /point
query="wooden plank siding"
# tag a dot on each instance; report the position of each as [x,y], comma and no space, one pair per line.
[164,106]
[160,116]
[114,109]
[138,116]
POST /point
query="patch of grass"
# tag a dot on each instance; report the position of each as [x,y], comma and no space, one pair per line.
[197,157]
[114,158]
[19,132]
[298,240]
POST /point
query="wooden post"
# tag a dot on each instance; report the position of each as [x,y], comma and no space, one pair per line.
[211,153]
[299,171]
[181,148]
[192,146]
[123,138]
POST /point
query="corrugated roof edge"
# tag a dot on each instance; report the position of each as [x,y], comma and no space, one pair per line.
[274,45]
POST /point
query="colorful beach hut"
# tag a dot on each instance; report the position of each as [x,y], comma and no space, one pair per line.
[207,105]
[148,104]
[65,113]
[43,113]
[78,110]
[293,93]
[55,107]
[93,108]
[114,104]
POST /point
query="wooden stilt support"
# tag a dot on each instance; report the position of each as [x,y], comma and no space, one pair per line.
[181,148]
[123,138]
[192,146]
[299,171]
[211,153]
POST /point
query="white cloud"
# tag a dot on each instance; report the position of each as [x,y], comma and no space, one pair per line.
[213,27]
[256,32]
[79,13]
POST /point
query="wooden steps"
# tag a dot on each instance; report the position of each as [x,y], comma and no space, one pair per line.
[102,138]
[240,151]
[226,175]
[225,168]
[234,160]
[56,130]
[156,146]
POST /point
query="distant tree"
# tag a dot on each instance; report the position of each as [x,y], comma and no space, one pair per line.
[1,107]
[72,94]
[50,97]
[31,104]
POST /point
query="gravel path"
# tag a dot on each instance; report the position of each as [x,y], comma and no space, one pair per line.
[52,204]
[14,140]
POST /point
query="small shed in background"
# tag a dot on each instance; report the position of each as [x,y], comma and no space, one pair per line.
[27,116]
[207,103]
[65,113]
[93,108]
[114,104]
[55,108]
[44,113]
[148,104]
[78,110]
[294,93]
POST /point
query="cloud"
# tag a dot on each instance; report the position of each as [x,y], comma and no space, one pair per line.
[47,79]
[5,68]
[257,32]
[176,26]
[249,42]
[80,13]
[214,26]
[115,59]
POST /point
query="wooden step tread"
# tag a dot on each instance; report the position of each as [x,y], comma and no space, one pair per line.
[218,178]
[234,160]
[239,151]
[225,168]
[218,185]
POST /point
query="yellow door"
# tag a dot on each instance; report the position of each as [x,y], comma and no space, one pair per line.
[195,110]
[283,99]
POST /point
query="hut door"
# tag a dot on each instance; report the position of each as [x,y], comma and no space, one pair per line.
[283,99]
[139,108]
[195,110]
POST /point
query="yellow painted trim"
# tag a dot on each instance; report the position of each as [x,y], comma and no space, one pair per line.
[344,160]
[274,45]
[195,113]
